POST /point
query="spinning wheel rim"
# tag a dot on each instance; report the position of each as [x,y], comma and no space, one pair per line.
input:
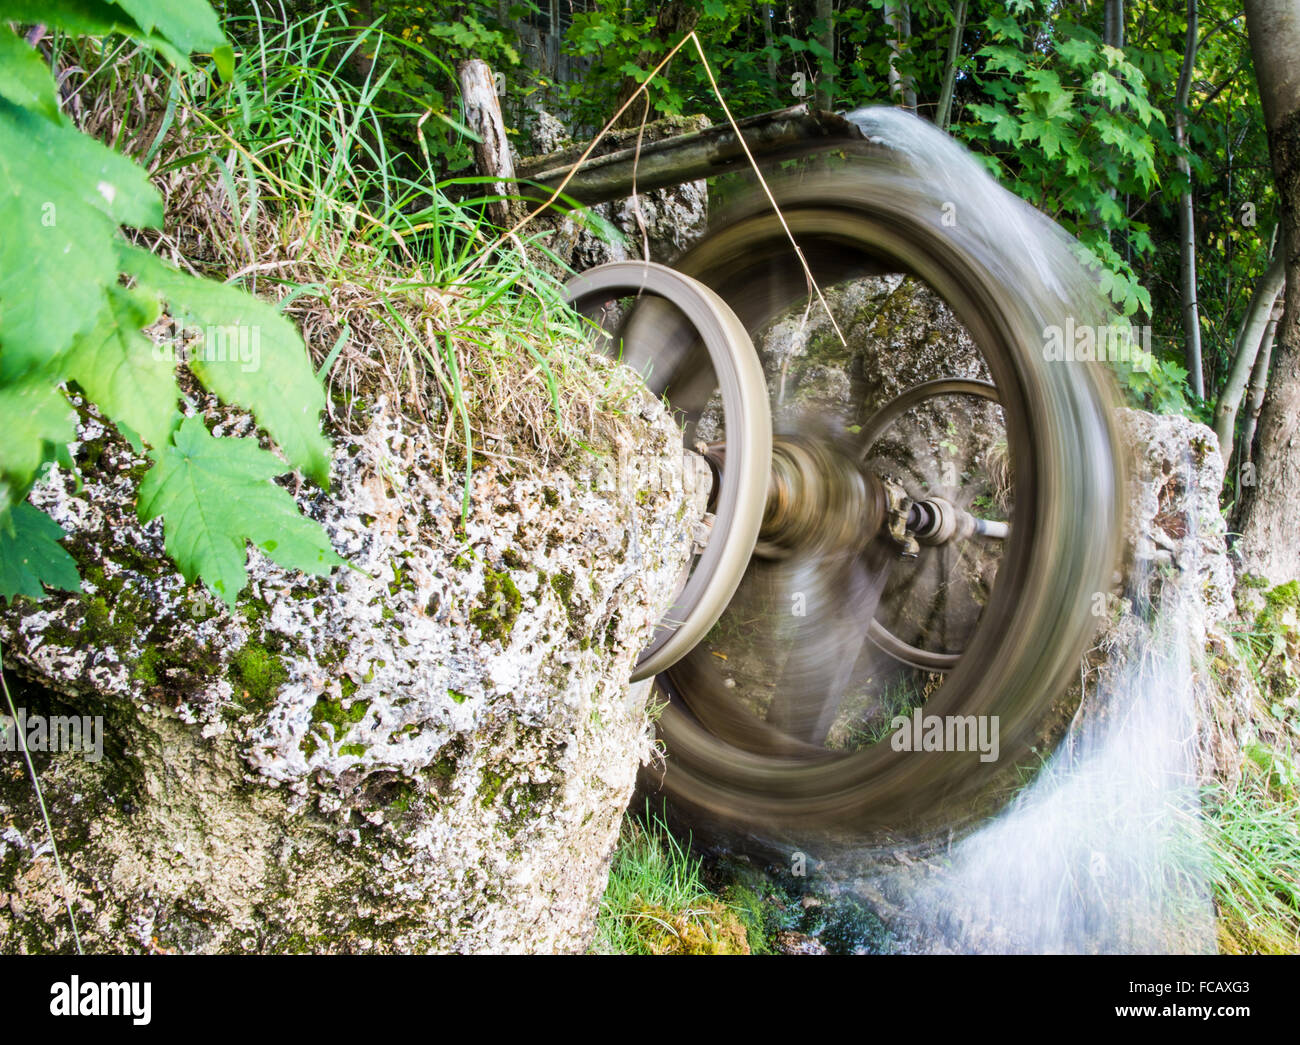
[1053,558]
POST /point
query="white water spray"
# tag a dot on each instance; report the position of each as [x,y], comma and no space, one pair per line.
[1102,853]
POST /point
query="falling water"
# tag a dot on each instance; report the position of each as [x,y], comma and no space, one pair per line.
[1102,852]
[1018,245]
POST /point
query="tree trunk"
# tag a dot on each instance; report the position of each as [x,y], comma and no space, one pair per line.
[1113,36]
[769,13]
[824,18]
[1245,350]
[1114,30]
[483,117]
[674,20]
[1186,216]
[1258,385]
[943,117]
[909,82]
[898,17]
[1270,543]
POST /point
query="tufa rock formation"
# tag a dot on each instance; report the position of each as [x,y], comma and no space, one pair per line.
[430,750]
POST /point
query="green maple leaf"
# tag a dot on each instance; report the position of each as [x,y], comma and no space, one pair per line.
[1076,51]
[1108,209]
[214,496]
[122,370]
[31,557]
[1044,81]
[1076,163]
[189,25]
[601,35]
[1005,28]
[252,356]
[1145,112]
[25,79]
[173,28]
[1005,126]
[1046,132]
[1104,85]
[62,197]
[1140,238]
[91,17]
[37,420]
[1007,58]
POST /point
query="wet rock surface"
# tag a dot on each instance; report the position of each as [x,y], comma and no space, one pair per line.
[429,750]
[1176,549]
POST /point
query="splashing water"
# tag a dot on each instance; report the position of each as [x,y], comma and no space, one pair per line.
[1103,852]
[1019,245]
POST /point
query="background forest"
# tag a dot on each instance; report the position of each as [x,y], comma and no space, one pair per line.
[1118,123]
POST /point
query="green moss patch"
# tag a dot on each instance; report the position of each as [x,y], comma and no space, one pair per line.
[258,674]
[497,608]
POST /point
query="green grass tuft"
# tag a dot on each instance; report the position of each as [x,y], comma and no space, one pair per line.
[656,901]
[1254,840]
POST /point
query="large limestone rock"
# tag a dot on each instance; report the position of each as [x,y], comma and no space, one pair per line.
[430,750]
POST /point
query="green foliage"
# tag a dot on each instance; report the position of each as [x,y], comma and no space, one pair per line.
[24,79]
[656,901]
[278,386]
[1255,844]
[392,244]
[863,73]
[216,494]
[1231,183]
[30,555]
[64,197]
[115,364]
[618,39]
[66,318]
[1085,132]
[1253,831]
[1078,128]
[1073,130]
[405,52]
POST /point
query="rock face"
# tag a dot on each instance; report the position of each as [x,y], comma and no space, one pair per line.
[428,751]
[663,221]
[1176,554]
